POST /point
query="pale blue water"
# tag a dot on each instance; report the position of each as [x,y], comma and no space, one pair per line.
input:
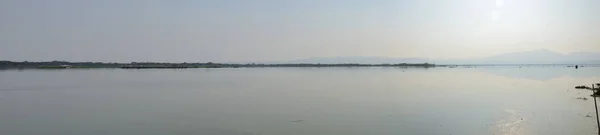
[297,101]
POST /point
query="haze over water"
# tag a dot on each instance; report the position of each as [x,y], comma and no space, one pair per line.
[297,101]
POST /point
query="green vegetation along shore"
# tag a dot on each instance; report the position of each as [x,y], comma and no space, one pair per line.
[147,65]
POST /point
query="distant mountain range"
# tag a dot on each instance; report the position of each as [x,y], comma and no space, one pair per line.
[541,56]
[357,59]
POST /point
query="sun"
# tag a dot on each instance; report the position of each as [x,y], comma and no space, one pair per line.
[499,3]
[496,13]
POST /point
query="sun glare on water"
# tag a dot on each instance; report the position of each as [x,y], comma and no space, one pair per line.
[496,15]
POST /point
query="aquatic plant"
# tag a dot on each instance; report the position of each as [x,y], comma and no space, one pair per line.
[595,90]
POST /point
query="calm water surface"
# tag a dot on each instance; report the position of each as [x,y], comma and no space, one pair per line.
[297,101]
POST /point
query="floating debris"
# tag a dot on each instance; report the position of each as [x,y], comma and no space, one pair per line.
[296,121]
[582,87]
[582,98]
[588,116]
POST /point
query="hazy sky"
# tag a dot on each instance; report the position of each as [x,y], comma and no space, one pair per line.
[275,30]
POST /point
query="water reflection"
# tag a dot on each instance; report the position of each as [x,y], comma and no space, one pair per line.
[511,125]
[297,101]
[541,73]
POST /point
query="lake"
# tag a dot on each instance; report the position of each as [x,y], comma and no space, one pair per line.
[501,100]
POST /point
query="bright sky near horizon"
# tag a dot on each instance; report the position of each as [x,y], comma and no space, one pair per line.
[276,30]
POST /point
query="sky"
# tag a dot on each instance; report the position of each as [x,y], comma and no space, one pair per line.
[280,30]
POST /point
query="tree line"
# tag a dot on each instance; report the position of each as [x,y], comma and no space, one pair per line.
[65,64]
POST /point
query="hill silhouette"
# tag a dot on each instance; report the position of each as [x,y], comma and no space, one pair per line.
[541,56]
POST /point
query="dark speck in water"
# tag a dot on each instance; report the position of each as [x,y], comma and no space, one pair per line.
[296,121]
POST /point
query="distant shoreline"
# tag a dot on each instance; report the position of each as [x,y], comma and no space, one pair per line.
[157,65]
